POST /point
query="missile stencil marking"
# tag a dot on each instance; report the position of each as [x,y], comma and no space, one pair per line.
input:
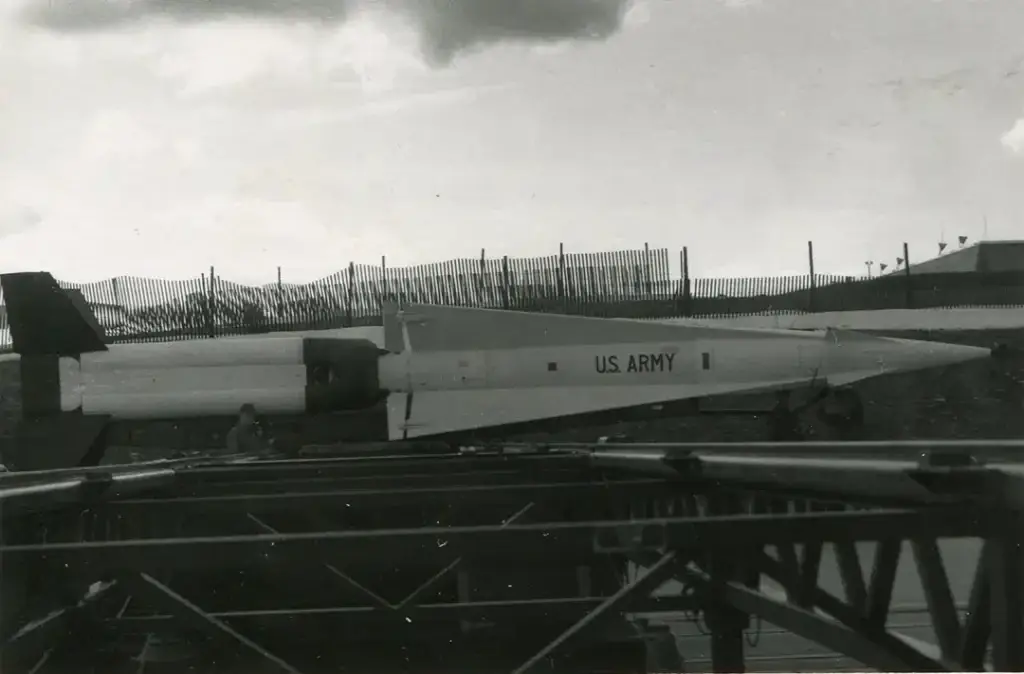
[635,363]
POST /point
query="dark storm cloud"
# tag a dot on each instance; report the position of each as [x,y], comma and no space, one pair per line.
[447,27]
[451,26]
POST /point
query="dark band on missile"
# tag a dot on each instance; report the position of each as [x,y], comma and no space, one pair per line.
[644,363]
[10,394]
[341,374]
[40,386]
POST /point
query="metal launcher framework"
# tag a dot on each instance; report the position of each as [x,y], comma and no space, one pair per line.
[515,558]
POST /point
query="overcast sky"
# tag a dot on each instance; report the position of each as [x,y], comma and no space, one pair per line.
[158,137]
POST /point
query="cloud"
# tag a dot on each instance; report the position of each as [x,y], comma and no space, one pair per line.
[17,219]
[306,118]
[741,4]
[638,14]
[1013,140]
[119,135]
[445,28]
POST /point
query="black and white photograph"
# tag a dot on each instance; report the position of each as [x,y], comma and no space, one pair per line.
[511,336]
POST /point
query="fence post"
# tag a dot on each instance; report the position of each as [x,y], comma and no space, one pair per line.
[687,307]
[482,282]
[814,280]
[648,289]
[504,283]
[383,282]
[350,293]
[562,299]
[280,297]
[211,321]
[908,288]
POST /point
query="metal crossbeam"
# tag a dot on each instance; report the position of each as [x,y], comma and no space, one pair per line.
[475,495]
[593,510]
[516,544]
[374,617]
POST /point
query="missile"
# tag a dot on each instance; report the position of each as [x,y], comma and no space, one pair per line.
[440,369]
[451,369]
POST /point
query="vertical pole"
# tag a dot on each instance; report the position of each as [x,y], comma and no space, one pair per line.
[1007,598]
[383,282]
[562,299]
[725,622]
[909,289]
[687,299]
[504,283]
[280,296]
[485,301]
[648,289]
[117,304]
[814,280]
[211,302]
[351,292]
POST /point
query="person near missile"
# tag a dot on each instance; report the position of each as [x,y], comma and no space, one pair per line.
[786,424]
[246,436]
[784,421]
[844,414]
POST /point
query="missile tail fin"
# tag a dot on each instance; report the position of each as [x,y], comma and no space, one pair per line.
[45,319]
[400,407]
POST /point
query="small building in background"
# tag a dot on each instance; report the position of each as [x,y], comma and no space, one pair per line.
[985,256]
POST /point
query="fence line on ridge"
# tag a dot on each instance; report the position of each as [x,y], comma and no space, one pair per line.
[626,284]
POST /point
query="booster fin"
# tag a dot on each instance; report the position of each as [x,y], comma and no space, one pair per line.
[46,320]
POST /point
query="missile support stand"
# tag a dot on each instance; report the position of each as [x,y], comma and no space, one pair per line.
[517,559]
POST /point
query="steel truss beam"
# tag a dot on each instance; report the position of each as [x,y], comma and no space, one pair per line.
[716,526]
[378,467]
[475,494]
[857,627]
[145,586]
[524,544]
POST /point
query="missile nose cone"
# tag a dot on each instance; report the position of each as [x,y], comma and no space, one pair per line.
[855,355]
[920,354]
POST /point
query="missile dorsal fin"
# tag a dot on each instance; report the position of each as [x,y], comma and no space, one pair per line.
[451,328]
[430,327]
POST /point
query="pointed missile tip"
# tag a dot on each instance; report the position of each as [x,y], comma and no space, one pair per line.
[959,352]
[854,359]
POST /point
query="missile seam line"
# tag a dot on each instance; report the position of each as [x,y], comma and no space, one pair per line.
[408,415]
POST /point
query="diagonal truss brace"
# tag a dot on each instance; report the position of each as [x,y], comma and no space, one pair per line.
[34,641]
[144,585]
[881,651]
[379,601]
[857,627]
[648,581]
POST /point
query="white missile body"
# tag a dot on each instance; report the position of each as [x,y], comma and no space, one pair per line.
[834,357]
[181,379]
[463,369]
[448,369]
